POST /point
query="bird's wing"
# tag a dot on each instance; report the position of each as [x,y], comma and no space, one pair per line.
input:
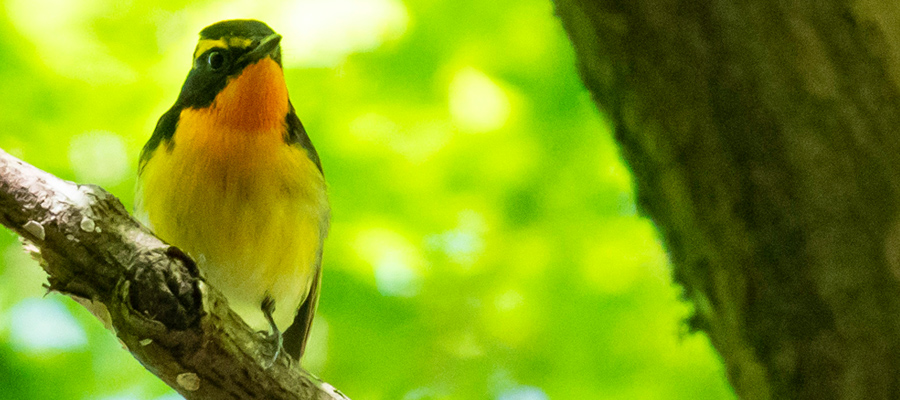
[296,135]
[297,334]
[162,134]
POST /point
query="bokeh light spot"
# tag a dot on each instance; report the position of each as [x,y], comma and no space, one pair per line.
[464,243]
[99,157]
[508,301]
[326,32]
[62,36]
[170,396]
[523,393]
[394,277]
[127,396]
[477,103]
[37,326]
[396,263]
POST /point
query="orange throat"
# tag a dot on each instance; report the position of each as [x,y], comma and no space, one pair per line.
[254,101]
[244,125]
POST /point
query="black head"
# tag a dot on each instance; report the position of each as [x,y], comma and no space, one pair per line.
[224,50]
[241,28]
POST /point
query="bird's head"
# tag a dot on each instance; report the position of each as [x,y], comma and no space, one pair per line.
[237,76]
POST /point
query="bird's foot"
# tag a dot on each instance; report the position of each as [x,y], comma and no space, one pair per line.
[274,340]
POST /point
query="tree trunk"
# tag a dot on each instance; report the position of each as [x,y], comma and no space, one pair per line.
[762,139]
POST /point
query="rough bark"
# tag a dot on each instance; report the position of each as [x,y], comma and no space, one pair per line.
[176,325]
[763,137]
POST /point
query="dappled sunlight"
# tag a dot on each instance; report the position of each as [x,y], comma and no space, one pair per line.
[477,103]
[61,34]
[396,263]
[523,393]
[42,327]
[123,396]
[86,149]
[462,244]
[329,31]
[170,396]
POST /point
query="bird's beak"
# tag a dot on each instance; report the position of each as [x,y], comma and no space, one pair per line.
[266,47]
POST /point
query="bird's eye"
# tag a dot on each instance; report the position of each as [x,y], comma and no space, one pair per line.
[216,60]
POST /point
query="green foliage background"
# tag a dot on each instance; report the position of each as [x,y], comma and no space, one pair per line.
[485,242]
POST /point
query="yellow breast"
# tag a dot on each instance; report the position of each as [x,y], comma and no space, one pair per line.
[248,207]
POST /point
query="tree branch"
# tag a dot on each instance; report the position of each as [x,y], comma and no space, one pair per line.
[173,322]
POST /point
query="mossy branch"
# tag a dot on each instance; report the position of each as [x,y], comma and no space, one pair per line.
[173,322]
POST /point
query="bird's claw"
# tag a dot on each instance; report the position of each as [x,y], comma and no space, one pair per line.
[273,339]
[272,348]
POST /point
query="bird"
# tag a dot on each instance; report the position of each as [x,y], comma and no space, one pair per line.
[230,177]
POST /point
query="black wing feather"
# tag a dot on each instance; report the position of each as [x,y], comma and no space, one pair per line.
[296,135]
[165,129]
[296,336]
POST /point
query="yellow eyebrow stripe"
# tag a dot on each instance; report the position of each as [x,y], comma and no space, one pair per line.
[206,44]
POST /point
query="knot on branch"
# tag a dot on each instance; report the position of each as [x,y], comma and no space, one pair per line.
[163,287]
